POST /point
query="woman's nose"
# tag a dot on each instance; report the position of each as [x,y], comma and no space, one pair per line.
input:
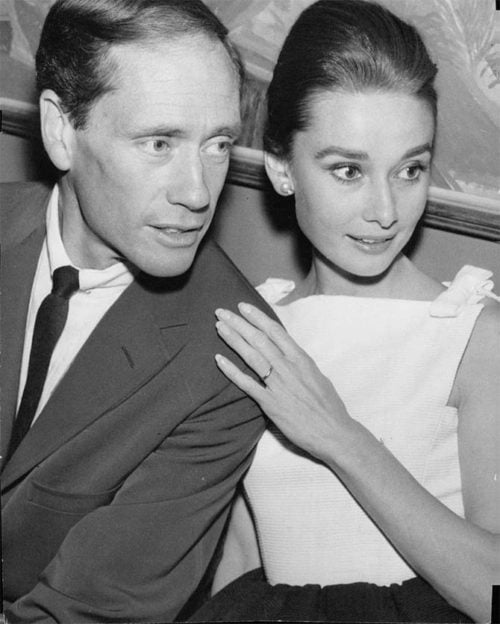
[382,205]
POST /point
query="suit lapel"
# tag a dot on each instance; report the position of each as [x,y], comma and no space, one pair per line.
[18,269]
[138,336]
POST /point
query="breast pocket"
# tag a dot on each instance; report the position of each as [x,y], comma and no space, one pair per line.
[68,502]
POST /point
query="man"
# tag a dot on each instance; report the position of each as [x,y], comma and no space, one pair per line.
[117,486]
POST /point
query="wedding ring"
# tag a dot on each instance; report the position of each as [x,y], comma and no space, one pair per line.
[266,375]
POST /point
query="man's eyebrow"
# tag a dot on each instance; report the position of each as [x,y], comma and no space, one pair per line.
[233,131]
[170,131]
[334,150]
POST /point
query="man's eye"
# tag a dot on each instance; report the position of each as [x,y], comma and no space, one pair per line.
[159,145]
[155,146]
[219,148]
[346,173]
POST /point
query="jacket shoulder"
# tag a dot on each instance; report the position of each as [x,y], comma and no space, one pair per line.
[222,280]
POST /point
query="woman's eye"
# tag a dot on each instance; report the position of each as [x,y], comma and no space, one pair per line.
[412,172]
[346,173]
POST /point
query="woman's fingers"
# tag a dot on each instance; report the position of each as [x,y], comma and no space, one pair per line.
[260,331]
[258,362]
[243,381]
[254,337]
[273,330]
[262,343]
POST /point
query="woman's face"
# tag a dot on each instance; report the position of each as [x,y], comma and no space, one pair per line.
[361,173]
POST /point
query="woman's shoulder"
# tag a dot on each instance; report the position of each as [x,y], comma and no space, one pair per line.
[484,344]
[479,369]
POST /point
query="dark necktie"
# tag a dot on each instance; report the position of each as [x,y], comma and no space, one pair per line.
[50,321]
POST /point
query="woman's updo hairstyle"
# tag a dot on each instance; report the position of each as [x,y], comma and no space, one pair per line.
[347,45]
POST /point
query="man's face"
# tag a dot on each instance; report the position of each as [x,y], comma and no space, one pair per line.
[147,170]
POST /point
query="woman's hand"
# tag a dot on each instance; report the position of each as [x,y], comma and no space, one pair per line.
[295,395]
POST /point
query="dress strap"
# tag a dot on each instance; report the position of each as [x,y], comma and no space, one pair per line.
[470,286]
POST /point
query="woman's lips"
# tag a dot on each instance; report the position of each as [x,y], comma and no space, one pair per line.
[372,244]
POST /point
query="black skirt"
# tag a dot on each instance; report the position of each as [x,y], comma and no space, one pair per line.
[250,598]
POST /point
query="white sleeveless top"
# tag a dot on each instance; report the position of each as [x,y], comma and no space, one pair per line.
[394,365]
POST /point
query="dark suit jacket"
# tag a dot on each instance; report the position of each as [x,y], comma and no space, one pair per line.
[115,500]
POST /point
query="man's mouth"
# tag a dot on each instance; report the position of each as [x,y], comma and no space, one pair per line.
[177,235]
[175,229]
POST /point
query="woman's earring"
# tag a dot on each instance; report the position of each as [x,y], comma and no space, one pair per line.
[286,189]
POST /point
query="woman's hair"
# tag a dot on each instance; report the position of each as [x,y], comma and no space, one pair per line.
[347,45]
[72,57]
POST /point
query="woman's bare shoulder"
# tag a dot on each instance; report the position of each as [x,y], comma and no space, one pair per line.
[479,369]
[477,401]
[484,341]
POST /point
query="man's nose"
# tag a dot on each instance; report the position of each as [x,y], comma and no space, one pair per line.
[382,205]
[187,185]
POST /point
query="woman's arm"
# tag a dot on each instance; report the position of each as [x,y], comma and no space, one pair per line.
[241,550]
[459,557]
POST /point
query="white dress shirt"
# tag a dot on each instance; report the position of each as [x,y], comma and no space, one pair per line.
[99,289]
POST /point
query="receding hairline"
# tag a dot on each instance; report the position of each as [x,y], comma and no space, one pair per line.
[109,63]
[156,41]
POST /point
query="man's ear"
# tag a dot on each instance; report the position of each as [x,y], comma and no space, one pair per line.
[278,171]
[57,130]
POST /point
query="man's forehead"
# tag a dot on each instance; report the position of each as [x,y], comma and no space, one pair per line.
[175,54]
[187,64]
[187,83]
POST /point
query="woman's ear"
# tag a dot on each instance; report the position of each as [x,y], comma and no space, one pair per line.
[278,172]
[57,130]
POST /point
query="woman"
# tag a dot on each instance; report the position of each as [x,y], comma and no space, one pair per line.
[374,492]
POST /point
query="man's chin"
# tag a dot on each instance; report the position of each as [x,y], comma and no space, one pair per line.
[172,266]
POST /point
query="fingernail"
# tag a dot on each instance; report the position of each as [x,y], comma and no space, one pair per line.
[221,328]
[245,307]
[221,313]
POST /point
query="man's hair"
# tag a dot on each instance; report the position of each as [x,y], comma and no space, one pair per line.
[345,45]
[73,55]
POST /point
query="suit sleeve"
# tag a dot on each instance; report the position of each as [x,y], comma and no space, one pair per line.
[140,558]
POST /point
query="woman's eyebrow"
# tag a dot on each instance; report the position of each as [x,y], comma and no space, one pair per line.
[335,150]
[420,149]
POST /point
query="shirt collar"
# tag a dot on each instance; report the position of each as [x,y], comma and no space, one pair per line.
[117,275]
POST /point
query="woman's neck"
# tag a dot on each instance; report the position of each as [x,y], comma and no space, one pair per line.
[402,280]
